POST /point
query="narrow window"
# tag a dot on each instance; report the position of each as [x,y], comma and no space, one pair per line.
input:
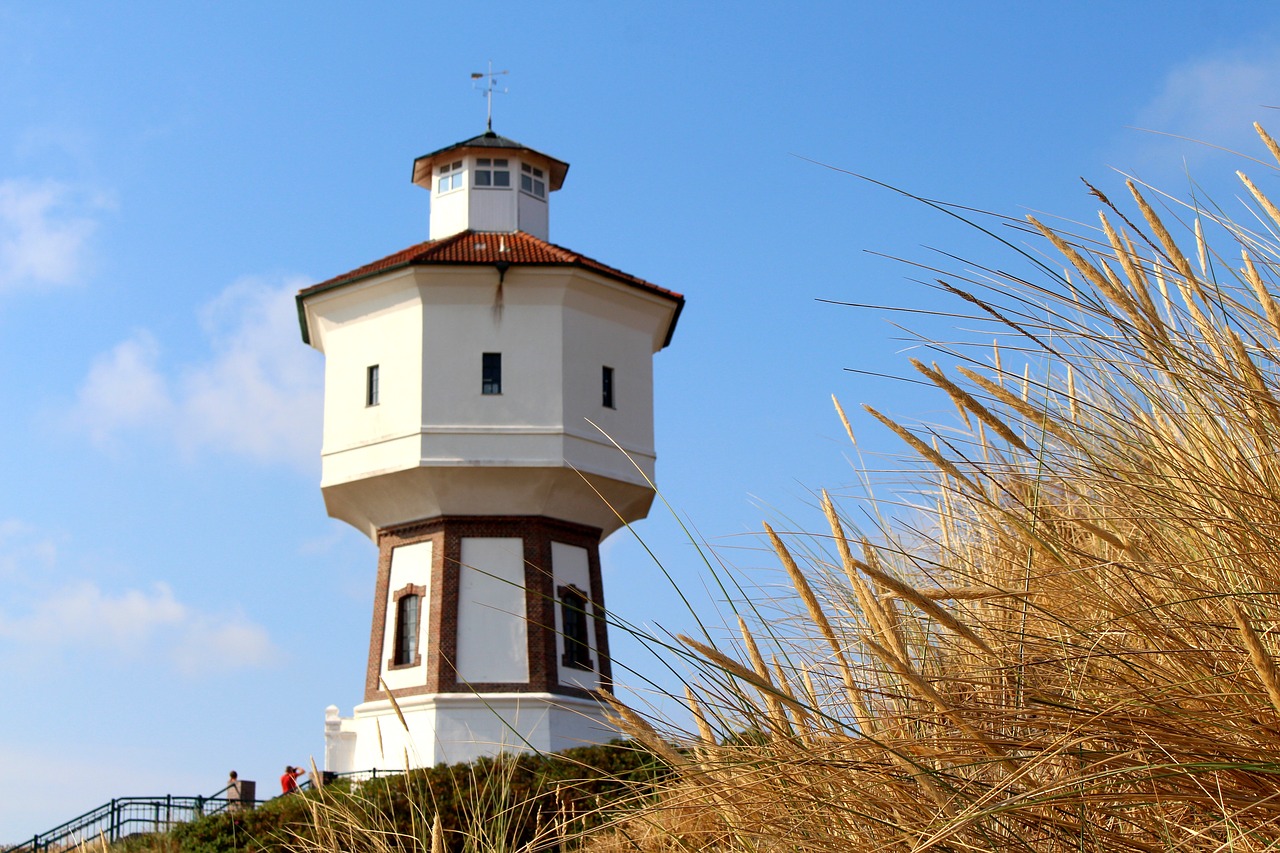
[606,386]
[573,623]
[371,386]
[406,630]
[491,373]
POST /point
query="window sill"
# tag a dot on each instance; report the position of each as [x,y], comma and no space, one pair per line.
[417,661]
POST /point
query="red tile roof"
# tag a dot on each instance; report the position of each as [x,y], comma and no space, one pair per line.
[486,248]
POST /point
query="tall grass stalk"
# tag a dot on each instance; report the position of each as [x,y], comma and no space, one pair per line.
[1071,645]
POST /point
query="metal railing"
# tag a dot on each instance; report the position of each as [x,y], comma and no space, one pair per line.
[353,776]
[125,816]
[122,817]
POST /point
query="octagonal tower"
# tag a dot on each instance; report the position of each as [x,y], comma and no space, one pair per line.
[478,387]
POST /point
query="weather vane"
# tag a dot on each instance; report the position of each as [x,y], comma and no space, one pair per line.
[489,88]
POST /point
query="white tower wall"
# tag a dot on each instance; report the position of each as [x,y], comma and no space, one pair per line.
[410,567]
[428,328]
[493,634]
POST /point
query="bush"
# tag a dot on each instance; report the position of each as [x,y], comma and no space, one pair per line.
[510,799]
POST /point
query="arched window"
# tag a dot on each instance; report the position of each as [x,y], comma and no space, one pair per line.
[574,627]
[407,630]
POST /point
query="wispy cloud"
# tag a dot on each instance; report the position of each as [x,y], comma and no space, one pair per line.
[45,229]
[1216,99]
[123,390]
[135,625]
[258,394]
[23,550]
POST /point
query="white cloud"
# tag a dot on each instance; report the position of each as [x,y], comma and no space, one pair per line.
[44,612]
[222,644]
[137,624]
[45,228]
[21,547]
[258,394]
[123,389]
[1217,99]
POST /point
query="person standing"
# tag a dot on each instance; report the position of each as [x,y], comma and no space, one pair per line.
[235,800]
[289,781]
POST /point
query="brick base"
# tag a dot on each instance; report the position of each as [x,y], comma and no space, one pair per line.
[439,647]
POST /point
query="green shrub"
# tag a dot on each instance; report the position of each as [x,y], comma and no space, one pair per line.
[511,799]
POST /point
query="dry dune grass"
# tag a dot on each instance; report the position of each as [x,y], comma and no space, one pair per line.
[1075,648]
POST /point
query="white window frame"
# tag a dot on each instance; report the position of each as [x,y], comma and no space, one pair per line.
[533,181]
[450,177]
[487,172]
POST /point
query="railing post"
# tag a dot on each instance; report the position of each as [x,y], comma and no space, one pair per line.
[114,831]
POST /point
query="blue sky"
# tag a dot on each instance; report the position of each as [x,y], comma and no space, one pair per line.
[173,600]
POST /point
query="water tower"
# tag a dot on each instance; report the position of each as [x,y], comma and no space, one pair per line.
[475,387]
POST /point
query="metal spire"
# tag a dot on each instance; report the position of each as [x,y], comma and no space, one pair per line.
[489,88]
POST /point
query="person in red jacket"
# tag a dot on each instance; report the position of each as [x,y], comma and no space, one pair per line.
[289,781]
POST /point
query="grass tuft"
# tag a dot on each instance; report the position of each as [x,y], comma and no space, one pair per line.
[1069,642]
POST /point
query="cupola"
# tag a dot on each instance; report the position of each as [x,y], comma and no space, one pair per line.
[488,183]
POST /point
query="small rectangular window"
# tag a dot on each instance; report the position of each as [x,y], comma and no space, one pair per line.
[492,173]
[491,373]
[531,181]
[450,177]
[606,386]
[371,386]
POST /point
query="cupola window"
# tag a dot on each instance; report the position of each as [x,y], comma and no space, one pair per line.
[492,173]
[532,180]
[450,177]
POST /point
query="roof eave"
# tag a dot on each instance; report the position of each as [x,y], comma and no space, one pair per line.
[315,290]
[558,169]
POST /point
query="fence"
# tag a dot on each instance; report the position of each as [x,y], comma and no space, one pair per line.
[125,816]
[120,818]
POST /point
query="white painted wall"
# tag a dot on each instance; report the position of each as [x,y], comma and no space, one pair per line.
[494,208]
[452,728]
[360,326]
[466,316]
[410,564]
[492,631]
[450,210]
[487,208]
[433,443]
[570,567]
[533,215]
